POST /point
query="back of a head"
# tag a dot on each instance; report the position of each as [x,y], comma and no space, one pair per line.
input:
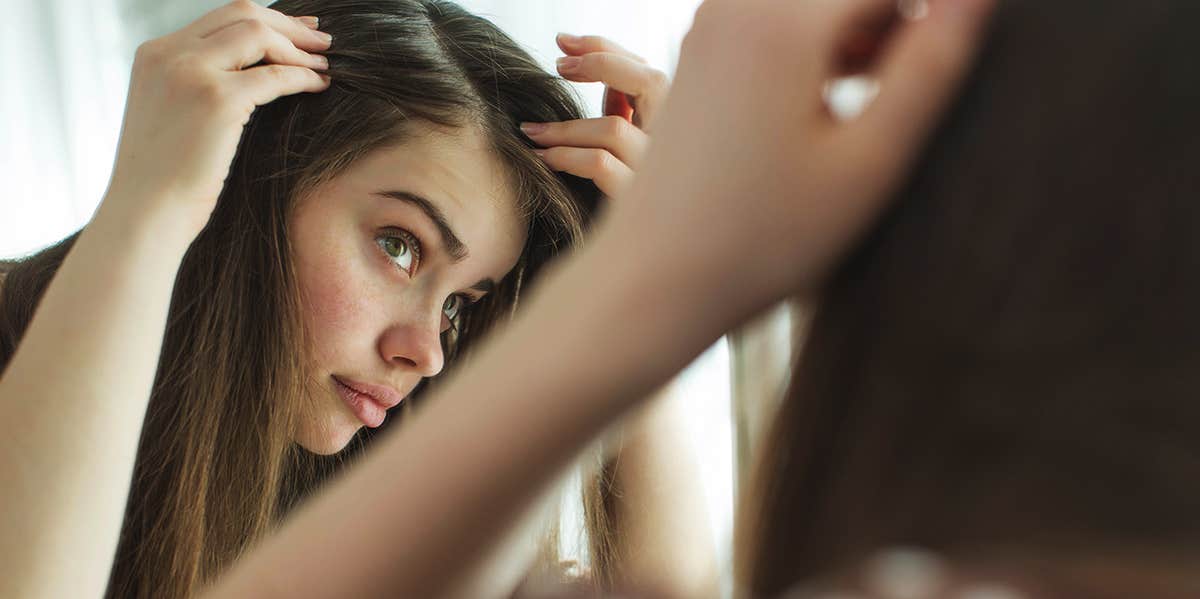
[1006,366]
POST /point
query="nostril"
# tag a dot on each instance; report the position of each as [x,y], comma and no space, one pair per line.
[401,360]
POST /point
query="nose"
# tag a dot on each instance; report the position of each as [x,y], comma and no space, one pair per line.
[414,346]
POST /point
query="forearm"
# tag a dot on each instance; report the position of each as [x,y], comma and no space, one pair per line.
[665,545]
[72,402]
[426,505]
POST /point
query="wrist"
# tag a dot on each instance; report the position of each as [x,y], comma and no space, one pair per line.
[720,269]
[158,224]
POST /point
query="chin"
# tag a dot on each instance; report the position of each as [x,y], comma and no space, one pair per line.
[326,440]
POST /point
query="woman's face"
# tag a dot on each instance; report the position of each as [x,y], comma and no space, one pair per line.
[385,254]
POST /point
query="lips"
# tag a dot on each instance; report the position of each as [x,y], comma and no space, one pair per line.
[380,394]
[369,403]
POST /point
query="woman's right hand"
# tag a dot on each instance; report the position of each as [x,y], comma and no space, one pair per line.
[190,95]
[750,174]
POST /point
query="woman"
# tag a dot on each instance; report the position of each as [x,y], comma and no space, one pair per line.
[366,233]
[1004,371]
[748,164]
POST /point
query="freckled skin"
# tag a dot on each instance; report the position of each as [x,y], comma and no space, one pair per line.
[367,319]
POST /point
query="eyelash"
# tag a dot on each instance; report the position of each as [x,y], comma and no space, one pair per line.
[414,246]
[410,240]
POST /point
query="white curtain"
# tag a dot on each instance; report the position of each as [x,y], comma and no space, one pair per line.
[61,105]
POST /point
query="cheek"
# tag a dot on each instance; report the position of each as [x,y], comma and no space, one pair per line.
[335,308]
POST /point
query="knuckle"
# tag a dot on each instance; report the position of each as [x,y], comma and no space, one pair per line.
[600,161]
[243,8]
[276,73]
[256,27]
[615,126]
[150,53]
[659,80]
[596,61]
[209,92]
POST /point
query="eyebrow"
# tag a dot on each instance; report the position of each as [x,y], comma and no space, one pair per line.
[454,246]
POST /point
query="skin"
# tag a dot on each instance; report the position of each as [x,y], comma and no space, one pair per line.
[771,174]
[376,317]
[372,323]
[768,173]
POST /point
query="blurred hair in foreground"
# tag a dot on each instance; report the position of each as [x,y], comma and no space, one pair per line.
[1006,369]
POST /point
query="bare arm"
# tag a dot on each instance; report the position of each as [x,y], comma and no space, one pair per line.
[72,401]
[735,214]
[74,395]
[477,464]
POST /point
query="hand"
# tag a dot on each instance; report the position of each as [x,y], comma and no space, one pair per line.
[753,178]
[607,150]
[191,93]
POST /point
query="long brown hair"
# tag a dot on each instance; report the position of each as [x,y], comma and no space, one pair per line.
[1007,367]
[216,467]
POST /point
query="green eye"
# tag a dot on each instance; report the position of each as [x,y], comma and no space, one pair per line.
[399,249]
[453,305]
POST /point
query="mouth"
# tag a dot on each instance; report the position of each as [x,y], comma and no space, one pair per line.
[367,402]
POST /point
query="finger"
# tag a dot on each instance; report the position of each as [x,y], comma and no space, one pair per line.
[578,45]
[609,174]
[619,72]
[615,134]
[264,84]
[248,42]
[646,86]
[902,572]
[300,34]
[920,69]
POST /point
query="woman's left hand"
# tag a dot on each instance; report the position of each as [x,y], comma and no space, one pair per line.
[608,149]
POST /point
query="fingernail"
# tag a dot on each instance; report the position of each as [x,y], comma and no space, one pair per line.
[906,573]
[990,591]
[913,10]
[568,39]
[325,37]
[321,61]
[804,593]
[325,78]
[310,22]
[568,64]
[533,128]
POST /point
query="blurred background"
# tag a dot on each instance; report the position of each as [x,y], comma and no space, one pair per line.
[67,66]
